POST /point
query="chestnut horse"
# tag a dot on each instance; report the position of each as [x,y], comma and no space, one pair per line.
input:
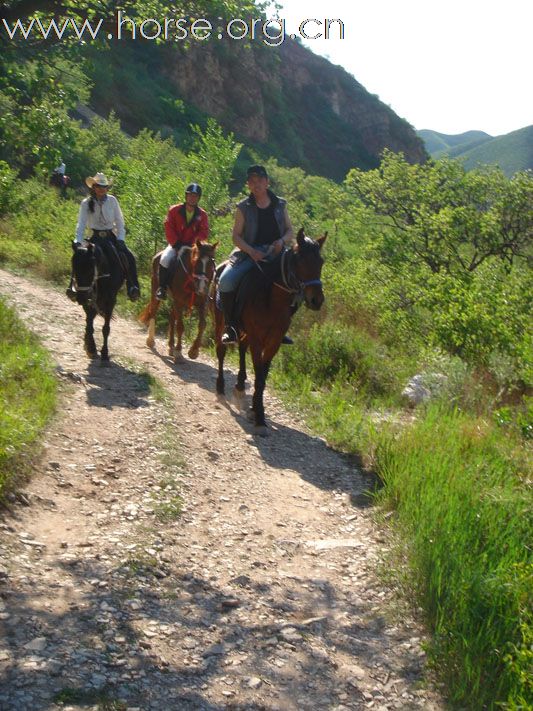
[190,286]
[97,277]
[266,315]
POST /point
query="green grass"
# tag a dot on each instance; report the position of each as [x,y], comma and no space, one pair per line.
[464,508]
[27,396]
[89,697]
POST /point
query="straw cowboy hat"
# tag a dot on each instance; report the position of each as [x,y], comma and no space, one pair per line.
[98,179]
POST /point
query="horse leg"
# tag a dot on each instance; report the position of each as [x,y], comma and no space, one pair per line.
[150,339]
[262,358]
[153,308]
[178,355]
[240,386]
[194,350]
[88,341]
[171,327]
[149,313]
[259,387]
[106,328]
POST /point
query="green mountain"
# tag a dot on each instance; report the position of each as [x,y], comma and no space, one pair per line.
[512,151]
[438,144]
[279,101]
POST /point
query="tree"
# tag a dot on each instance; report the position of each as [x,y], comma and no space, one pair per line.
[441,216]
[211,164]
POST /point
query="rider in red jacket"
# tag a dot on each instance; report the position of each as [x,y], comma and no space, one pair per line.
[184,224]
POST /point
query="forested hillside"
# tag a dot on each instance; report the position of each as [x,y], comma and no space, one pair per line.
[511,152]
[427,272]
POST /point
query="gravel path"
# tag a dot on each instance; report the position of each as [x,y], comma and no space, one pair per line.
[163,557]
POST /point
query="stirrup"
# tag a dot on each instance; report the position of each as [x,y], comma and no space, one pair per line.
[71,293]
[161,293]
[287,341]
[229,336]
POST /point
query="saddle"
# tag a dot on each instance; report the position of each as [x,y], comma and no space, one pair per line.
[112,253]
[256,282]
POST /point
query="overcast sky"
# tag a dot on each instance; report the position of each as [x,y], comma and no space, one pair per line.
[450,66]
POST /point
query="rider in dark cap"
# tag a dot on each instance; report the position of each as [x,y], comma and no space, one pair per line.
[262,228]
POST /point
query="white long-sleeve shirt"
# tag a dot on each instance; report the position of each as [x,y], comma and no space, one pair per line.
[107,215]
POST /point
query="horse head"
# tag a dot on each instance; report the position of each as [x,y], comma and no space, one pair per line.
[203,266]
[307,267]
[84,272]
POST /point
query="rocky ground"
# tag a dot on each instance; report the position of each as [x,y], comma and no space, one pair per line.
[163,557]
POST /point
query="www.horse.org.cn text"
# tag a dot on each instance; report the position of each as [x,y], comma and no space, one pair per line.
[271,32]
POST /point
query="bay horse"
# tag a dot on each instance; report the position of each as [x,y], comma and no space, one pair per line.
[97,277]
[266,314]
[189,287]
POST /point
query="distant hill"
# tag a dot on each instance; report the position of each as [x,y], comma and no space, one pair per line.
[512,151]
[438,144]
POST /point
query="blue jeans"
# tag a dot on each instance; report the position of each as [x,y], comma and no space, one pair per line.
[233,273]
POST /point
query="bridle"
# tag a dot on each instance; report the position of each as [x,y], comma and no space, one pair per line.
[290,281]
[96,277]
[201,277]
[198,279]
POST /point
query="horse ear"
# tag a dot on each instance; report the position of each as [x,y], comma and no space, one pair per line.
[198,243]
[300,237]
[321,240]
[214,245]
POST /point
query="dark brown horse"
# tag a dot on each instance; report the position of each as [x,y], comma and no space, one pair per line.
[190,287]
[267,313]
[97,277]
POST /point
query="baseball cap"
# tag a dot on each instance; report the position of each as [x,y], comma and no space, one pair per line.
[259,170]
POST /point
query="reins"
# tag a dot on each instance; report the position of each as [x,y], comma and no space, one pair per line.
[190,276]
[291,284]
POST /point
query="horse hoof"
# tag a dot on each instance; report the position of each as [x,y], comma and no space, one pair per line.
[261,430]
[221,397]
[250,414]
[150,342]
[105,362]
[178,357]
[193,353]
[91,355]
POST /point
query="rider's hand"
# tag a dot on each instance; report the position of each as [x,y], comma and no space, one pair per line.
[256,255]
[75,245]
[276,246]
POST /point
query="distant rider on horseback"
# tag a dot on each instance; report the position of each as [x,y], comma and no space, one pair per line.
[101,213]
[185,223]
[261,230]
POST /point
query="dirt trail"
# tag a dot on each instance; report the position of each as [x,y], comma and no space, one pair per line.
[262,594]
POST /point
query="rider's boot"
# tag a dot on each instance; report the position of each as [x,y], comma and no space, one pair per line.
[227,301]
[164,278]
[132,281]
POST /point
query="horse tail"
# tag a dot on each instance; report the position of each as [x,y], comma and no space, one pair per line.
[146,314]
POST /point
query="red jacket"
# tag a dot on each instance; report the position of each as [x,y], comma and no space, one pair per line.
[178,231]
